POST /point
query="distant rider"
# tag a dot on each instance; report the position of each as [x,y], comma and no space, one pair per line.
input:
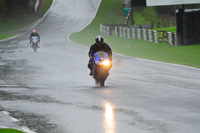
[34,33]
[100,45]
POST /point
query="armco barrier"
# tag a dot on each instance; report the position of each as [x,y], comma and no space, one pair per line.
[105,30]
[136,32]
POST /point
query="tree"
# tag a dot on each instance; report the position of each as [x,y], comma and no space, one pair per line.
[9,6]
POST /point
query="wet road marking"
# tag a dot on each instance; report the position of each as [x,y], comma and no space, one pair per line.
[26,129]
[14,119]
[6,113]
[3,127]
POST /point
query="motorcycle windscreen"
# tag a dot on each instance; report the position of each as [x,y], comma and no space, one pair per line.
[101,54]
[34,38]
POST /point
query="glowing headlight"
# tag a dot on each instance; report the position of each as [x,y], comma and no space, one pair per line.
[106,62]
[34,40]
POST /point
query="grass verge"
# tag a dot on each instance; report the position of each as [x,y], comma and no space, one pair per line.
[110,12]
[6,35]
[169,29]
[10,131]
[46,6]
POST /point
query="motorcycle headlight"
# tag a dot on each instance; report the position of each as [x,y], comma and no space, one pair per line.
[106,62]
[34,41]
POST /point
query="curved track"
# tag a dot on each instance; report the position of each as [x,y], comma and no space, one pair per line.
[51,92]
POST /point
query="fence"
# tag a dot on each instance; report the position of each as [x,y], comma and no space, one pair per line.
[143,32]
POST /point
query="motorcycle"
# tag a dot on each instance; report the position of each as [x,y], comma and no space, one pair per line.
[34,43]
[101,67]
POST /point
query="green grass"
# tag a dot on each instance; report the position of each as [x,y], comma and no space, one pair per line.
[6,35]
[139,19]
[10,131]
[184,55]
[107,10]
[169,29]
[47,4]
[8,23]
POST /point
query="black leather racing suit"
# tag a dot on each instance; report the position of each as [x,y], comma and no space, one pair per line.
[95,48]
[34,34]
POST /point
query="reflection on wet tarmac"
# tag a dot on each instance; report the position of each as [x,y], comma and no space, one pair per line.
[109,120]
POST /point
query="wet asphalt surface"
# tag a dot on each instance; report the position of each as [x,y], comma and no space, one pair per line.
[51,92]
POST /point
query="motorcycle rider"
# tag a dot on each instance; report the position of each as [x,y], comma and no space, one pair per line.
[100,45]
[34,33]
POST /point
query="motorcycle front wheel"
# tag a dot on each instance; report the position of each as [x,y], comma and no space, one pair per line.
[102,83]
[102,77]
[35,48]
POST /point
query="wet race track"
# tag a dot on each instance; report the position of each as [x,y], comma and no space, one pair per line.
[51,92]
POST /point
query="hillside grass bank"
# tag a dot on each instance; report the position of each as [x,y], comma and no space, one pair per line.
[111,12]
[8,130]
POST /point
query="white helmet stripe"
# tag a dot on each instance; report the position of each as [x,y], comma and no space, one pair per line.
[99,37]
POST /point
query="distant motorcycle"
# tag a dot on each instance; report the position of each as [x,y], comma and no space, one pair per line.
[35,43]
[101,67]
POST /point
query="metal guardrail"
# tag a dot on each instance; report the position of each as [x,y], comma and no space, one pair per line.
[137,32]
[105,30]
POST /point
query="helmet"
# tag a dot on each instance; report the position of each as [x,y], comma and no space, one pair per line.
[99,40]
[34,30]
